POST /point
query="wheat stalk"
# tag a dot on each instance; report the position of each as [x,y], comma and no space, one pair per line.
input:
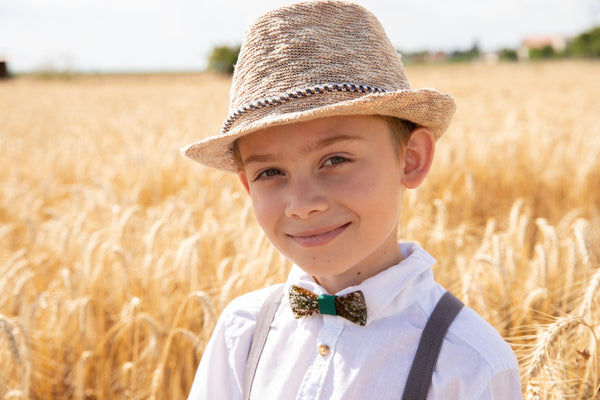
[81,372]
[535,300]
[541,264]
[124,221]
[571,271]
[153,233]
[548,341]
[551,243]
[533,391]
[580,229]
[441,219]
[18,289]
[19,350]
[15,395]
[585,310]
[5,231]
[514,214]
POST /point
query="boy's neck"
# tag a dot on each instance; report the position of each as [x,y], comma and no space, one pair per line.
[355,276]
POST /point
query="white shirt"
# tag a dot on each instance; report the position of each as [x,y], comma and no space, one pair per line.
[363,362]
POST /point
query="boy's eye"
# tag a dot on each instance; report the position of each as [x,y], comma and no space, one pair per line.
[335,160]
[268,173]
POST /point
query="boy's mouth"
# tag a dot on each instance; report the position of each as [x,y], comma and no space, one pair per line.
[318,236]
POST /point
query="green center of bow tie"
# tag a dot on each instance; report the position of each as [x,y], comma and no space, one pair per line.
[351,306]
[327,304]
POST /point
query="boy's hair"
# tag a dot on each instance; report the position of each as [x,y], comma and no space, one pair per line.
[400,129]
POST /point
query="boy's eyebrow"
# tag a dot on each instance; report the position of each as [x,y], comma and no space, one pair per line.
[260,158]
[329,141]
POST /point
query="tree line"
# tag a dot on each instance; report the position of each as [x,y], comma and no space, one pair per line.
[585,45]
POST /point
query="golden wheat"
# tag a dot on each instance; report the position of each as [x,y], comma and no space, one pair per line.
[117,255]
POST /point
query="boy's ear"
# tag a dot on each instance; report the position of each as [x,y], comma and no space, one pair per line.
[244,180]
[418,156]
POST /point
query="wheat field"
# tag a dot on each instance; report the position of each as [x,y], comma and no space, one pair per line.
[117,254]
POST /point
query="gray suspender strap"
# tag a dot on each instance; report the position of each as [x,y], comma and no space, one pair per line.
[259,337]
[421,371]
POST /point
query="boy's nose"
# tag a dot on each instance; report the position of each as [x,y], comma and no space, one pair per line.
[305,198]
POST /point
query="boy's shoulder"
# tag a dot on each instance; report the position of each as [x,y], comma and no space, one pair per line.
[247,306]
[473,332]
[475,354]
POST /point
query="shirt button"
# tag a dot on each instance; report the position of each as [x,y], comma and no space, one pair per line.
[324,350]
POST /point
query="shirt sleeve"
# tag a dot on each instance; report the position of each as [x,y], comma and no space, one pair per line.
[505,385]
[221,370]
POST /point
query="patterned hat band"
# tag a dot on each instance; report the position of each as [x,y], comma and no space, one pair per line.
[273,101]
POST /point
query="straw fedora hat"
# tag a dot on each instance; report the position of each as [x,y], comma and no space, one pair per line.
[317,59]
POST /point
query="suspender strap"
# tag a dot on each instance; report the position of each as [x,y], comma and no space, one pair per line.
[421,372]
[259,337]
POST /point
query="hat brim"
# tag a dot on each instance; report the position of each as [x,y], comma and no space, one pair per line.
[425,107]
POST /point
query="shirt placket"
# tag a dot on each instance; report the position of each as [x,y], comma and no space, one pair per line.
[322,360]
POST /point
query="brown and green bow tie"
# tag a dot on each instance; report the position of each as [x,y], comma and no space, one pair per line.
[351,306]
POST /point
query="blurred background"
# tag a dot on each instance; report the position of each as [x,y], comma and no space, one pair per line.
[117,254]
[166,35]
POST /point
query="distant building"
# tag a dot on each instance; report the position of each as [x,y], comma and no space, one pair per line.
[556,43]
[491,58]
[438,56]
[425,57]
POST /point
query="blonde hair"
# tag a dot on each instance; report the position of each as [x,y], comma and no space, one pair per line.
[401,130]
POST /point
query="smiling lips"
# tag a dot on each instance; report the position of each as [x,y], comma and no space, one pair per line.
[318,236]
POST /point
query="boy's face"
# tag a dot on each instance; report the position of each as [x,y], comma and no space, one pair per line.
[328,193]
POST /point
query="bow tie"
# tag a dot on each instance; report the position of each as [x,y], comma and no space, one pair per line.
[351,306]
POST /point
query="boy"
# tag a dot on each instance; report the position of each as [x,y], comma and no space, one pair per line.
[325,135]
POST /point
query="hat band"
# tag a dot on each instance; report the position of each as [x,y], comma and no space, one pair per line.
[272,101]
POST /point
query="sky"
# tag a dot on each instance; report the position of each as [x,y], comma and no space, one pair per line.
[177,35]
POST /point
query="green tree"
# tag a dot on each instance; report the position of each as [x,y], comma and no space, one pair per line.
[586,44]
[223,58]
[466,55]
[508,55]
[544,52]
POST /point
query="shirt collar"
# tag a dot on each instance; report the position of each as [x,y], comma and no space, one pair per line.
[389,291]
